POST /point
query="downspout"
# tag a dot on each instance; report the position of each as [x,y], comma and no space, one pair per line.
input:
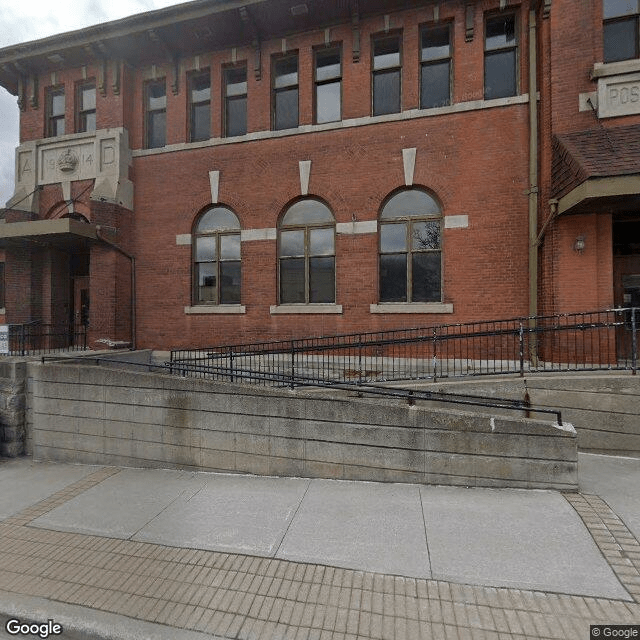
[133,281]
[533,183]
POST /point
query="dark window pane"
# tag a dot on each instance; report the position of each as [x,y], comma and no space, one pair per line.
[386,93]
[236,81]
[286,116]
[206,278]
[426,277]
[236,116]
[393,238]
[393,278]
[292,280]
[200,121]
[88,121]
[328,102]
[321,242]
[500,74]
[328,64]
[435,44]
[156,96]
[230,247]
[615,8]
[501,32]
[230,282]
[386,53]
[157,129]
[57,127]
[292,243]
[435,90]
[286,73]
[200,88]
[206,248]
[620,40]
[425,235]
[322,280]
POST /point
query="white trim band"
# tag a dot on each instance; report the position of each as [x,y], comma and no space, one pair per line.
[352,228]
[220,308]
[249,235]
[411,307]
[305,308]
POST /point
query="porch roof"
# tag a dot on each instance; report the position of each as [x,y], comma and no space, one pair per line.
[61,233]
[596,168]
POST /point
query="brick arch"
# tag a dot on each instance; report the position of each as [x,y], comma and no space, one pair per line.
[61,210]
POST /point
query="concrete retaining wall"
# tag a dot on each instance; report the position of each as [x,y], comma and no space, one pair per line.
[604,408]
[97,415]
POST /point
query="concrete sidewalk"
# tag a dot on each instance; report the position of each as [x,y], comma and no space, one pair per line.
[130,553]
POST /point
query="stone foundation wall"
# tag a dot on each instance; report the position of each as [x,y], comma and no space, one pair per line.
[97,415]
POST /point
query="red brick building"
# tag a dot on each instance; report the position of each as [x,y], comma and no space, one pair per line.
[226,171]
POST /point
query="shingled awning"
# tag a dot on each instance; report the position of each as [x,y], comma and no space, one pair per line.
[596,168]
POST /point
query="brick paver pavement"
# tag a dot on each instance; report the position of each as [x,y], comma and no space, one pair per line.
[244,597]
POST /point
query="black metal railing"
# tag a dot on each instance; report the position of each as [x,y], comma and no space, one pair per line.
[589,341]
[35,338]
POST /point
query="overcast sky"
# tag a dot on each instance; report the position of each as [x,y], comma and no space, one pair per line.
[22,21]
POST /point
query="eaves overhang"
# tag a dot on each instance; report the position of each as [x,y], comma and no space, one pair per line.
[595,194]
[190,28]
[62,233]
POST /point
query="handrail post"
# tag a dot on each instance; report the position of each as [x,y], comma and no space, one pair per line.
[435,356]
[521,340]
[634,342]
[22,340]
[293,366]
[359,358]
[231,365]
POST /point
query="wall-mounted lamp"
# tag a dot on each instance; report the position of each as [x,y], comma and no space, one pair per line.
[579,244]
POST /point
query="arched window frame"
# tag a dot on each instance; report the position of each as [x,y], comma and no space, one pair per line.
[217,245]
[421,242]
[315,260]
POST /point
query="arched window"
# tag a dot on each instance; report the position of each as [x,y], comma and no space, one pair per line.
[410,248]
[216,257]
[307,254]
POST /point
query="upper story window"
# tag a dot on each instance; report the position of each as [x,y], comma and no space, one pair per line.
[328,85]
[55,112]
[500,57]
[435,58]
[156,114]
[386,75]
[621,29]
[235,101]
[216,255]
[199,106]
[86,107]
[410,248]
[285,92]
[307,254]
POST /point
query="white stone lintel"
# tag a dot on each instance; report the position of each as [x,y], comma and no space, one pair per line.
[456,222]
[249,235]
[351,228]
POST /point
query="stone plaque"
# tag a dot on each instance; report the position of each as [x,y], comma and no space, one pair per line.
[68,162]
[619,95]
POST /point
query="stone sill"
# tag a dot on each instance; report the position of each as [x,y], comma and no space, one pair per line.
[412,307]
[604,69]
[305,308]
[221,308]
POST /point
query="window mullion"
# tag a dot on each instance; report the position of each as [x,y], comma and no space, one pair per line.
[409,263]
